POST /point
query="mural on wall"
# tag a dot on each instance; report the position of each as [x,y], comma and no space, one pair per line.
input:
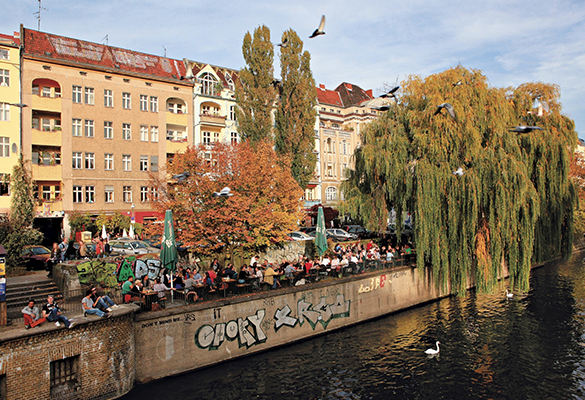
[375,284]
[248,331]
[148,266]
[97,271]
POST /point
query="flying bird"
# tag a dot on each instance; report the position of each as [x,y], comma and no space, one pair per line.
[525,129]
[433,351]
[284,43]
[509,295]
[319,30]
[459,172]
[390,93]
[446,106]
[458,83]
[383,107]
[182,177]
[225,192]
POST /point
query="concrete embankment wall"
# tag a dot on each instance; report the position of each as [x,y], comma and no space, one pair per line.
[178,340]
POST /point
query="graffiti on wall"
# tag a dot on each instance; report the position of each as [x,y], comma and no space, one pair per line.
[248,331]
[148,266]
[374,284]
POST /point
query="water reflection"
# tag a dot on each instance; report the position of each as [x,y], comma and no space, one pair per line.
[531,346]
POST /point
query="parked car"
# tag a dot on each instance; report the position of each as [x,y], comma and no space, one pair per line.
[36,257]
[340,235]
[300,236]
[153,241]
[309,230]
[360,231]
[131,247]
[406,229]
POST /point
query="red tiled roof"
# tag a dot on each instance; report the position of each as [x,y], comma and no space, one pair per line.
[344,95]
[10,40]
[326,96]
[50,47]
[221,72]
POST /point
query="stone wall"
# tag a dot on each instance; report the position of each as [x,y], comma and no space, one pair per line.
[103,352]
[178,340]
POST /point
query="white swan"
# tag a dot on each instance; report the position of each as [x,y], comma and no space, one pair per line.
[433,351]
[509,295]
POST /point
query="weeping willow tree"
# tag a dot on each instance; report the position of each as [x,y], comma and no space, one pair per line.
[514,199]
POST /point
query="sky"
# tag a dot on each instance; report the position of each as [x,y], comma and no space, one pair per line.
[372,44]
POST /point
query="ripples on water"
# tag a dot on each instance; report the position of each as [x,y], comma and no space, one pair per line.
[531,347]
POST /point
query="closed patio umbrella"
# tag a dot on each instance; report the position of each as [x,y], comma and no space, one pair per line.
[168,248]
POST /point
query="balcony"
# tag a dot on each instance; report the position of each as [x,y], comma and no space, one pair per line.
[177,118]
[46,172]
[49,208]
[177,146]
[46,103]
[213,120]
[46,137]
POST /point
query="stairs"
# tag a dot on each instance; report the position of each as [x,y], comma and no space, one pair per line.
[19,292]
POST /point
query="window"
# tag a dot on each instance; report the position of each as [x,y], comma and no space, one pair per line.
[344,147]
[126,132]
[63,375]
[329,170]
[109,192]
[76,160]
[207,138]
[4,77]
[234,137]
[89,128]
[329,145]
[90,194]
[144,163]
[331,193]
[76,127]
[154,194]
[76,94]
[126,100]
[89,160]
[108,130]
[208,84]
[154,163]
[57,192]
[4,146]
[154,133]
[46,194]
[153,104]
[144,133]
[46,91]
[77,194]
[4,112]
[108,98]
[89,95]
[216,136]
[109,161]
[143,102]
[175,108]
[143,194]
[4,55]
[233,113]
[127,194]
[127,162]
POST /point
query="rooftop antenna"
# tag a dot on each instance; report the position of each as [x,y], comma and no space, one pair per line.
[106,38]
[38,14]
[162,47]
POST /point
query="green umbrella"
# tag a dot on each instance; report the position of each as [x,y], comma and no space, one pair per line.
[321,238]
[168,247]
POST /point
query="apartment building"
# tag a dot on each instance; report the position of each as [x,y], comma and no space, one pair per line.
[214,104]
[342,115]
[99,120]
[9,114]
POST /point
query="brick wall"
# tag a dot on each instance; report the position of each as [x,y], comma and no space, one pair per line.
[105,350]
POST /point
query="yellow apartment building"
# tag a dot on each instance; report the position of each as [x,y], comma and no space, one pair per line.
[99,120]
[9,114]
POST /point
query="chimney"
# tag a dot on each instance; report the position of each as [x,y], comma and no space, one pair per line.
[321,86]
[370,93]
[349,86]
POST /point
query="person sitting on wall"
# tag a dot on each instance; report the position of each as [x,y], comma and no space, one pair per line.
[52,313]
[88,305]
[102,302]
[31,315]
[127,289]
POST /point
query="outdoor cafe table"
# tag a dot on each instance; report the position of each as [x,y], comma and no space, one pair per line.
[227,284]
[149,298]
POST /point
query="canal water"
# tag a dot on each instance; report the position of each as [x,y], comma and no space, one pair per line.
[530,347]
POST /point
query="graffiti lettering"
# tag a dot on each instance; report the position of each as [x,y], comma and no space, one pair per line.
[397,274]
[375,284]
[321,313]
[247,331]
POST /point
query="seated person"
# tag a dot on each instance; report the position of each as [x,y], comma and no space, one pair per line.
[335,264]
[243,275]
[31,315]
[229,272]
[127,289]
[136,292]
[190,289]
[88,305]
[198,279]
[289,270]
[52,313]
[160,288]
[178,281]
[326,261]
[102,302]
[269,275]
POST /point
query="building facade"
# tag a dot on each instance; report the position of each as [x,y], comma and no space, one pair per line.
[10,103]
[99,120]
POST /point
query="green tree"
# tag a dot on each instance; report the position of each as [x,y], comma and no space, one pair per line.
[513,196]
[295,114]
[255,93]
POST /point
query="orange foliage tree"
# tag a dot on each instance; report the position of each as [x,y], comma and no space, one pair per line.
[265,206]
[577,173]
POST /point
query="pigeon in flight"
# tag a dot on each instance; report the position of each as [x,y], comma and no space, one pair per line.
[383,107]
[284,43]
[390,93]
[458,83]
[319,30]
[525,129]
[446,106]
[182,177]
[225,192]
[459,172]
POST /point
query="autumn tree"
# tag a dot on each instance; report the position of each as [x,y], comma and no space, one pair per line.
[265,205]
[255,93]
[513,196]
[295,113]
